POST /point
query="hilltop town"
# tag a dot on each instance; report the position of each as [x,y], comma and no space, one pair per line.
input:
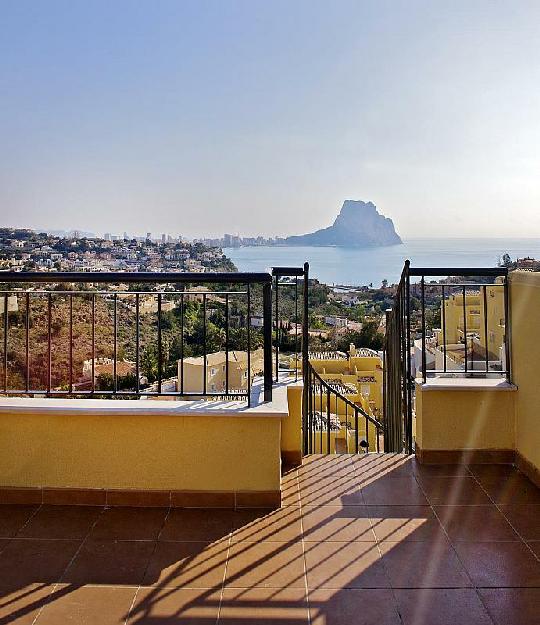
[28,250]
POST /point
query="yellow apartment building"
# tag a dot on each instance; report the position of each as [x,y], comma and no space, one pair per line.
[216,371]
[362,367]
[473,320]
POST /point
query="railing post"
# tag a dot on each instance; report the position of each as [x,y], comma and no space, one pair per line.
[305,357]
[507,329]
[267,340]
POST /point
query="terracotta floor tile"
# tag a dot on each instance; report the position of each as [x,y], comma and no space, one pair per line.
[290,495]
[197,525]
[475,523]
[453,491]
[188,565]
[21,606]
[371,467]
[28,561]
[175,606]
[441,470]
[110,562]
[493,471]
[61,522]
[265,564]
[512,490]
[278,525]
[512,606]
[428,606]
[399,491]
[344,565]
[534,545]
[398,523]
[129,524]
[525,518]
[358,606]
[262,606]
[340,491]
[336,523]
[431,564]
[500,564]
[13,517]
[91,605]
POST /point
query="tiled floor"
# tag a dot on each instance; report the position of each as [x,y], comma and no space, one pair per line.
[374,539]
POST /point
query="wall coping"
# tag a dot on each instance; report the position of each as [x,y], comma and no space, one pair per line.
[277,408]
[466,384]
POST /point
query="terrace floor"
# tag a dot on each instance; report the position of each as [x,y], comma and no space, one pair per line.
[371,539]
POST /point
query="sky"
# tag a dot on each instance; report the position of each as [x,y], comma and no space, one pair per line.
[261,116]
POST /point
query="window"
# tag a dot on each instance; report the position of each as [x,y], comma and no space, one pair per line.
[212,387]
[212,371]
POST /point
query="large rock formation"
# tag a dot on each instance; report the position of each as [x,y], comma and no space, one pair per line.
[358,224]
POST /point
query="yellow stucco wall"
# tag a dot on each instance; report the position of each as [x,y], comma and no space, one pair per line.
[525,352]
[154,452]
[453,419]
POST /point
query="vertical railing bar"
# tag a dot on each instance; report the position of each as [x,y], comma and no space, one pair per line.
[160,354]
[205,357]
[27,324]
[347,426]
[424,363]
[6,328]
[465,326]
[182,343]
[407,357]
[249,344]
[356,438]
[320,417]
[507,329]
[367,434]
[267,340]
[327,420]
[137,343]
[296,329]
[93,342]
[115,355]
[305,348]
[444,327]
[71,343]
[486,330]
[277,329]
[227,343]
[49,340]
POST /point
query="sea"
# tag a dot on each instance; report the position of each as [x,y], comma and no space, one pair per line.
[358,267]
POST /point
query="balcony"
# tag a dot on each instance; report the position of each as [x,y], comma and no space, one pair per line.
[206,507]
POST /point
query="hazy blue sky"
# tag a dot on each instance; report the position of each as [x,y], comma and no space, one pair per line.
[261,117]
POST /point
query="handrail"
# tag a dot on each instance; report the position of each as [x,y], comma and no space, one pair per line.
[113,277]
[347,401]
[311,429]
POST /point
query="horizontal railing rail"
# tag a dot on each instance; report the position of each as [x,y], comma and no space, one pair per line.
[42,326]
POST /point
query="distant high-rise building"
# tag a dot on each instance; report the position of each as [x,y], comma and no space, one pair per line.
[126,236]
[164,238]
[148,236]
[227,240]
[107,236]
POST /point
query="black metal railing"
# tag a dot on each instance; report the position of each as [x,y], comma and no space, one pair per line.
[442,328]
[335,422]
[34,335]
